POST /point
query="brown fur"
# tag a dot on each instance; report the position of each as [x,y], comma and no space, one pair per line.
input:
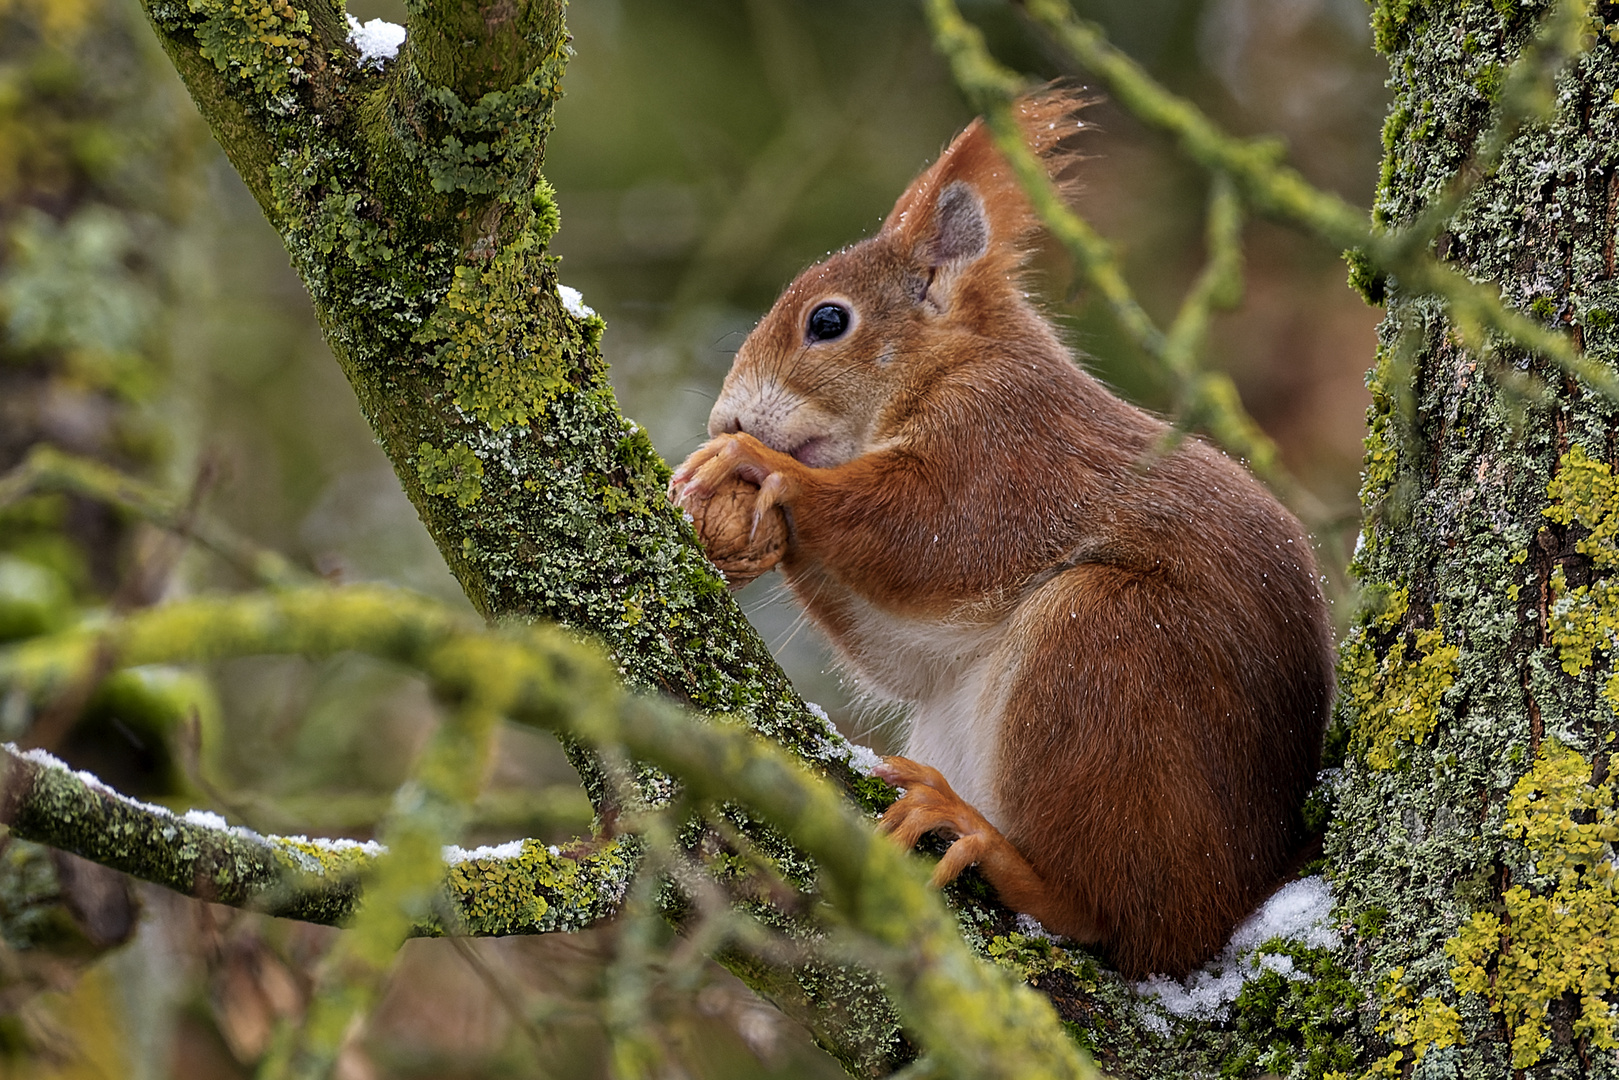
[1120,654]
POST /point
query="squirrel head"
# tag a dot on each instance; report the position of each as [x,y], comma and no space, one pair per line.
[829,371]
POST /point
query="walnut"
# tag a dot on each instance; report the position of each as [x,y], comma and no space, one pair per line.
[723,522]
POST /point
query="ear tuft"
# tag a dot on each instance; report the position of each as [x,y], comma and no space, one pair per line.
[962,229]
[968,208]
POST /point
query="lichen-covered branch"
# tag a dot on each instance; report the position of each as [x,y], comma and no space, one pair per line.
[974,1019]
[408,192]
[1473,832]
[313,880]
[1472,836]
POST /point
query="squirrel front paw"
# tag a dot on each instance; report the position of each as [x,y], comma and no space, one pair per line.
[930,804]
[741,525]
[737,455]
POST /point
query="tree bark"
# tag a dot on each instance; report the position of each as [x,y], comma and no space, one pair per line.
[1479,731]
[410,199]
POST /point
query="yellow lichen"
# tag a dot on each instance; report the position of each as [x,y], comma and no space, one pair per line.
[1413,1026]
[328,858]
[1032,956]
[1395,700]
[1585,618]
[260,41]
[456,472]
[502,341]
[1550,943]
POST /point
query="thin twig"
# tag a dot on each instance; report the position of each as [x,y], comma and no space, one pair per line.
[47,469]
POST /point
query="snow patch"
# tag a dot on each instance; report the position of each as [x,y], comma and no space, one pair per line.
[207,819]
[574,302]
[509,850]
[836,746]
[340,843]
[377,40]
[1299,911]
[1029,926]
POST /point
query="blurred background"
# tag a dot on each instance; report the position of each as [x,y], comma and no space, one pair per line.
[706,151]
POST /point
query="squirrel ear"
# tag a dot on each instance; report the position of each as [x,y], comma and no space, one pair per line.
[961,228]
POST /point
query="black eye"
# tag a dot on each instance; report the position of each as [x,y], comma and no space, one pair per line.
[827,322]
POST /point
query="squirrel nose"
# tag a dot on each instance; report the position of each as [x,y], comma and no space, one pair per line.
[723,423]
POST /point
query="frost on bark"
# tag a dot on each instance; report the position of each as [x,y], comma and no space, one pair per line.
[1475,808]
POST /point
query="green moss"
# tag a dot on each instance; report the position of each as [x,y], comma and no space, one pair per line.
[1364,279]
[1389,18]
[503,340]
[1296,1026]
[263,42]
[1032,957]
[1488,81]
[486,147]
[1394,699]
[1561,937]
[1382,453]
[1369,921]
[1394,127]
[547,215]
[456,472]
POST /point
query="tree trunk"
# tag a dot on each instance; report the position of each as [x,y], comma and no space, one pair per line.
[1469,847]
[409,196]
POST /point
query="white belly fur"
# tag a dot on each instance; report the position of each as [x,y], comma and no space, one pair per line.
[952,675]
[957,733]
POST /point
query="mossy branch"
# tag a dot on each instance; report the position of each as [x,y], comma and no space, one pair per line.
[1255,167]
[974,1019]
[292,877]
[410,198]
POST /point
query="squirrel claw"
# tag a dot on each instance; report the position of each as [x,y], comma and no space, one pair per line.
[680,481]
[771,494]
[701,474]
[929,804]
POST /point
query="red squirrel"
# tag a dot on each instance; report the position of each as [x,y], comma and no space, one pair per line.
[1114,645]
